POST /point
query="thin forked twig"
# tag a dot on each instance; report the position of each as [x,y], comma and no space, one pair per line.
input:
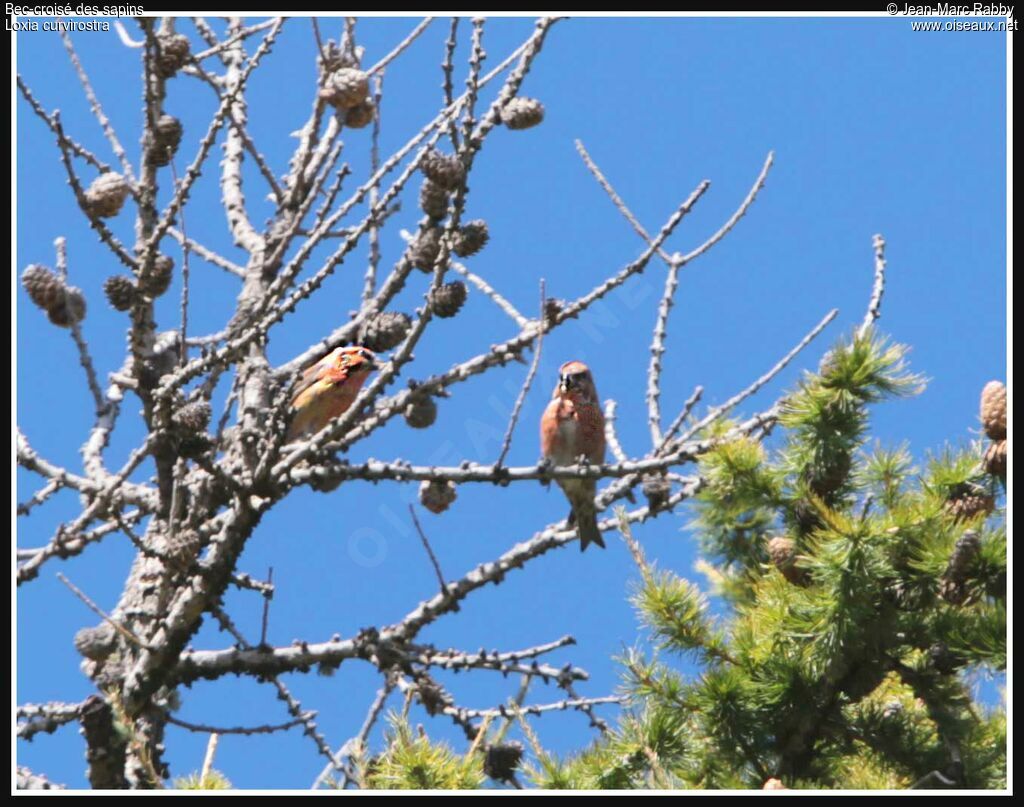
[92,606]
[84,357]
[396,51]
[97,108]
[353,744]
[739,397]
[426,545]
[506,442]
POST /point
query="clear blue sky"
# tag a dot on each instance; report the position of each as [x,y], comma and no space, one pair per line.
[875,129]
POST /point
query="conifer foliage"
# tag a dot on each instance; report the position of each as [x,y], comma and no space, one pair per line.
[863,597]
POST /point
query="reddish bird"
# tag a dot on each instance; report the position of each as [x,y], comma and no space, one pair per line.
[573,427]
[327,389]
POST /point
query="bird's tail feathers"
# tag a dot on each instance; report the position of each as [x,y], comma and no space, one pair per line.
[586,527]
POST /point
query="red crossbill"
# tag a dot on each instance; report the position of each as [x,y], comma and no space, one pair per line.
[572,427]
[327,389]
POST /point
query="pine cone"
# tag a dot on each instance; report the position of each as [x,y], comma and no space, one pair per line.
[943,660]
[993,410]
[96,643]
[952,592]
[552,308]
[385,330]
[120,291]
[158,280]
[167,134]
[172,55]
[657,490]
[69,310]
[446,300]
[522,113]
[345,88]
[995,459]
[191,446]
[445,170]
[436,495]
[432,697]
[105,196]
[183,547]
[193,417]
[361,115]
[421,412]
[325,484]
[44,286]
[827,476]
[502,759]
[471,238]
[968,505]
[433,200]
[952,585]
[782,551]
[965,550]
[424,250]
[806,516]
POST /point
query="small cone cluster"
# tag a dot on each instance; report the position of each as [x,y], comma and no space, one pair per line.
[345,88]
[968,501]
[424,250]
[433,200]
[471,238]
[437,495]
[193,417]
[105,196]
[952,586]
[64,305]
[173,52]
[657,490]
[421,412]
[166,138]
[183,547]
[522,113]
[385,330]
[120,291]
[501,760]
[444,170]
[552,308]
[783,554]
[96,643]
[158,279]
[993,419]
[446,300]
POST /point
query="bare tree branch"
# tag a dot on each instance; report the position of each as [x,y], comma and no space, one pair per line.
[875,305]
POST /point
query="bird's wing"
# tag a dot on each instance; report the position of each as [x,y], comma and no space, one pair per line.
[312,374]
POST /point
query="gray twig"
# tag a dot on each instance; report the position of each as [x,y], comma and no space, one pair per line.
[426,545]
[506,442]
[878,289]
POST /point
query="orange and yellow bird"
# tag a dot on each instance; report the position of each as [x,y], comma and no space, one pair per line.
[573,427]
[327,389]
